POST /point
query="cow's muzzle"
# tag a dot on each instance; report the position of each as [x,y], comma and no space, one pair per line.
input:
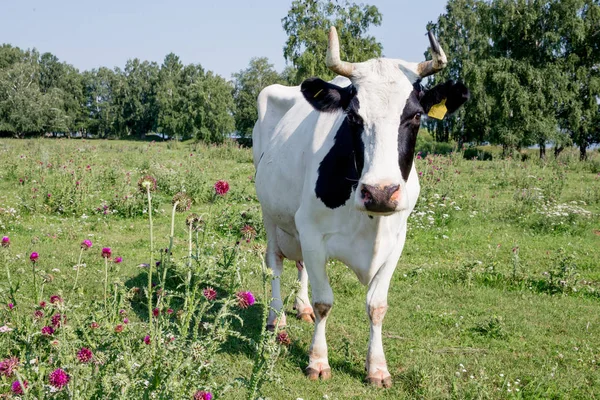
[378,199]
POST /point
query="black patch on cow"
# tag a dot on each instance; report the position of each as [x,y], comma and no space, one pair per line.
[325,96]
[420,102]
[410,121]
[455,93]
[342,166]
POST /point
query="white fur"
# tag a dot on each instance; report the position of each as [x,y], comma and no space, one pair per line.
[290,141]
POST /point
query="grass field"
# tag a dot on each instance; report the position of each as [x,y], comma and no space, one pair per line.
[497,294]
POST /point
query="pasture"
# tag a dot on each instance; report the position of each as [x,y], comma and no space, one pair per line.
[497,293]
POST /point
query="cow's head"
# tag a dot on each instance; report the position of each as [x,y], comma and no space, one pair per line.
[375,143]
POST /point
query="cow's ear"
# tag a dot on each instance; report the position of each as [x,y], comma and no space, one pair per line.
[325,96]
[444,98]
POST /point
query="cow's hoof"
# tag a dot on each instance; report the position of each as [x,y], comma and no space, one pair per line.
[314,374]
[306,317]
[380,382]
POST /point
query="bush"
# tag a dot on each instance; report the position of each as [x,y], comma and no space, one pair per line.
[471,153]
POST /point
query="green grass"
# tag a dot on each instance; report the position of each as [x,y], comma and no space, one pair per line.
[497,294]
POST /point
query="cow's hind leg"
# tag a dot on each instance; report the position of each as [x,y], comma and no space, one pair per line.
[313,253]
[304,310]
[274,261]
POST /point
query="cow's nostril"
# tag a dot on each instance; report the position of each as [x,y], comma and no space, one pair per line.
[366,194]
[394,192]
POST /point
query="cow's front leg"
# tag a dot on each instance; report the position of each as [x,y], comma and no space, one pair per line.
[322,295]
[376,365]
[304,310]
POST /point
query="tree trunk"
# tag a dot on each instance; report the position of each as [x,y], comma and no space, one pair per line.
[558,150]
[542,150]
[582,151]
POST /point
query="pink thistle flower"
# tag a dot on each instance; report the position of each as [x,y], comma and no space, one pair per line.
[38,314]
[210,293]
[59,378]
[7,366]
[125,321]
[55,299]
[118,260]
[85,355]
[155,312]
[245,299]
[11,306]
[119,328]
[17,388]
[58,319]
[106,252]
[5,241]
[221,187]
[170,311]
[147,183]
[86,244]
[203,395]
[34,256]
[147,339]
[94,325]
[47,331]
[42,304]
[284,338]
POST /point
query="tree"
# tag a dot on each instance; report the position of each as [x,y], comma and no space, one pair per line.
[102,87]
[140,108]
[530,67]
[213,97]
[248,84]
[168,97]
[307,24]
[22,105]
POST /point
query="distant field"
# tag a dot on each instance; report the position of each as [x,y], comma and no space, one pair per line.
[497,294]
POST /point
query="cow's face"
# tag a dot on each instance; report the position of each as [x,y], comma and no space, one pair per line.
[374,146]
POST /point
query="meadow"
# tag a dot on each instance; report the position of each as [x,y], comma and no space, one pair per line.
[497,294]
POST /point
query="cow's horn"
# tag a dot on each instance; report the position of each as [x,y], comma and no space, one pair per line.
[333,61]
[438,61]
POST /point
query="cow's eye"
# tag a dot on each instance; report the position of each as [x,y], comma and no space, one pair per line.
[417,118]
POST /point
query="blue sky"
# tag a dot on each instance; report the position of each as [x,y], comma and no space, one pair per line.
[222,35]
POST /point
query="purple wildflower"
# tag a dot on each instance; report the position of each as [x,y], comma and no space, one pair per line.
[59,378]
[85,355]
[245,299]
[203,395]
[17,388]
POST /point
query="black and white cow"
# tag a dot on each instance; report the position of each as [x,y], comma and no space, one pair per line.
[335,179]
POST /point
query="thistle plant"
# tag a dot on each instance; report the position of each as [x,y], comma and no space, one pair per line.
[85,245]
[147,184]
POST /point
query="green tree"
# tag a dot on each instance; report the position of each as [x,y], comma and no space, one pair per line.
[530,67]
[168,97]
[248,84]
[22,105]
[307,25]
[102,87]
[140,108]
[213,98]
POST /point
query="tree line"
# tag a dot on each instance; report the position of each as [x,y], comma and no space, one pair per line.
[533,68]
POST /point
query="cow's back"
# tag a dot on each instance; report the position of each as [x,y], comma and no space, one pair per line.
[273,103]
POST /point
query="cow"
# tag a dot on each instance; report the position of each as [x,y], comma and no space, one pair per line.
[335,179]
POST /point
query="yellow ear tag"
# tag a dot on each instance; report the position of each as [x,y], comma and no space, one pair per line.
[438,111]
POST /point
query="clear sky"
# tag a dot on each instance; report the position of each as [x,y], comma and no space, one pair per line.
[222,35]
